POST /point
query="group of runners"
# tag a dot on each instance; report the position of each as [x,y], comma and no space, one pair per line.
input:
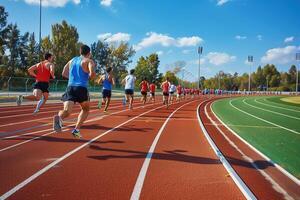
[79,71]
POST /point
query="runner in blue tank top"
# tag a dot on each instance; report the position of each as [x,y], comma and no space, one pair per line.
[107,81]
[78,70]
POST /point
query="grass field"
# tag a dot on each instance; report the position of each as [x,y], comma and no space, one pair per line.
[269,124]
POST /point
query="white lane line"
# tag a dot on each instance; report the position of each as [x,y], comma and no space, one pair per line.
[292,117]
[45,169]
[274,184]
[275,106]
[290,130]
[295,107]
[289,175]
[141,177]
[235,177]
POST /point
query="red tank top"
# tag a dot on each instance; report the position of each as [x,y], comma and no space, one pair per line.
[43,74]
[152,88]
[179,89]
[144,86]
[166,86]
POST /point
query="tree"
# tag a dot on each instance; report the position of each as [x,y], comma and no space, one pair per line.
[148,68]
[33,55]
[102,55]
[172,77]
[23,50]
[12,42]
[3,32]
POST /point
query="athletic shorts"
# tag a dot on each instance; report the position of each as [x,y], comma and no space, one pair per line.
[76,94]
[43,86]
[129,91]
[171,93]
[152,94]
[166,94]
[106,93]
[143,93]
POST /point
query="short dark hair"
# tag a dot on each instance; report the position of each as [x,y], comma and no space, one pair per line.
[47,55]
[132,71]
[108,69]
[85,50]
[168,78]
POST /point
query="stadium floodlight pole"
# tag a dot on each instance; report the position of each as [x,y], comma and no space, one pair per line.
[40,33]
[250,60]
[297,71]
[200,49]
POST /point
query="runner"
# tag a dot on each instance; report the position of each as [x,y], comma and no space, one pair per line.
[152,91]
[129,81]
[42,72]
[107,80]
[165,86]
[144,85]
[172,91]
[179,92]
[78,70]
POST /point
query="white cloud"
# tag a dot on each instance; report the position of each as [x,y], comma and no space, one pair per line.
[159,53]
[238,37]
[259,37]
[166,41]
[222,2]
[280,55]
[118,37]
[186,51]
[218,58]
[52,3]
[196,62]
[289,39]
[106,3]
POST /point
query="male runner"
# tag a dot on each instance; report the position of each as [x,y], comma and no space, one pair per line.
[152,91]
[165,86]
[42,72]
[144,85]
[172,90]
[107,80]
[79,70]
[129,81]
[179,92]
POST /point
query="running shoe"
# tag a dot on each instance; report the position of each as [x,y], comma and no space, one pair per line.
[76,133]
[57,123]
[19,100]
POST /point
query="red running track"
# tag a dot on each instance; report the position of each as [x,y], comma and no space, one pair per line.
[148,153]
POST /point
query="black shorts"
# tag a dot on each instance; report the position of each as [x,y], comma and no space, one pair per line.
[144,93]
[171,93]
[76,94]
[152,94]
[41,86]
[106,93]
[166,94]
[129,91]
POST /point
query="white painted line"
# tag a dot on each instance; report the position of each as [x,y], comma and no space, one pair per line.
[238,181]
[295,107]
[45,169]
[263,119]
[289,175]
[292,117]
[275,106]
[274,184]
[141,177]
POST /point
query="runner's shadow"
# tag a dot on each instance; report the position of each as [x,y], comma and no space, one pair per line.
[124,128]
[175,155]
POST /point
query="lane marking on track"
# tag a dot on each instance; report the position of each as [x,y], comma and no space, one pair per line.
[235,177]
[52,164]
[244,126]
[266,100]
[141,177]
[244,101]
[274,184]
[289,175]
[230,102]
[256,100]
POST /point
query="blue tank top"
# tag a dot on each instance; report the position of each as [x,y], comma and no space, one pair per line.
[77,77]
[106,83]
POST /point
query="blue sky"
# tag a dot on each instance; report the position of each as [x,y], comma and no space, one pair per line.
[228,30]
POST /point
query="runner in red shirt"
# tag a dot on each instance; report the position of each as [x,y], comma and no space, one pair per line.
[144,85]
[179,92]
[165,86]
[42,72]
[152,91]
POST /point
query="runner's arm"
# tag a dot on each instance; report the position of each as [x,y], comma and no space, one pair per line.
[52,70]
[65,72]
[91,66]
[31,70]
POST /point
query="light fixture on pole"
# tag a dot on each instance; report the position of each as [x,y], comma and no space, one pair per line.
[200,49]
[297,71]
[250,60]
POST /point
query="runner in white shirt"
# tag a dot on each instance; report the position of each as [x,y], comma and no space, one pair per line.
[129,81]
[172,90]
